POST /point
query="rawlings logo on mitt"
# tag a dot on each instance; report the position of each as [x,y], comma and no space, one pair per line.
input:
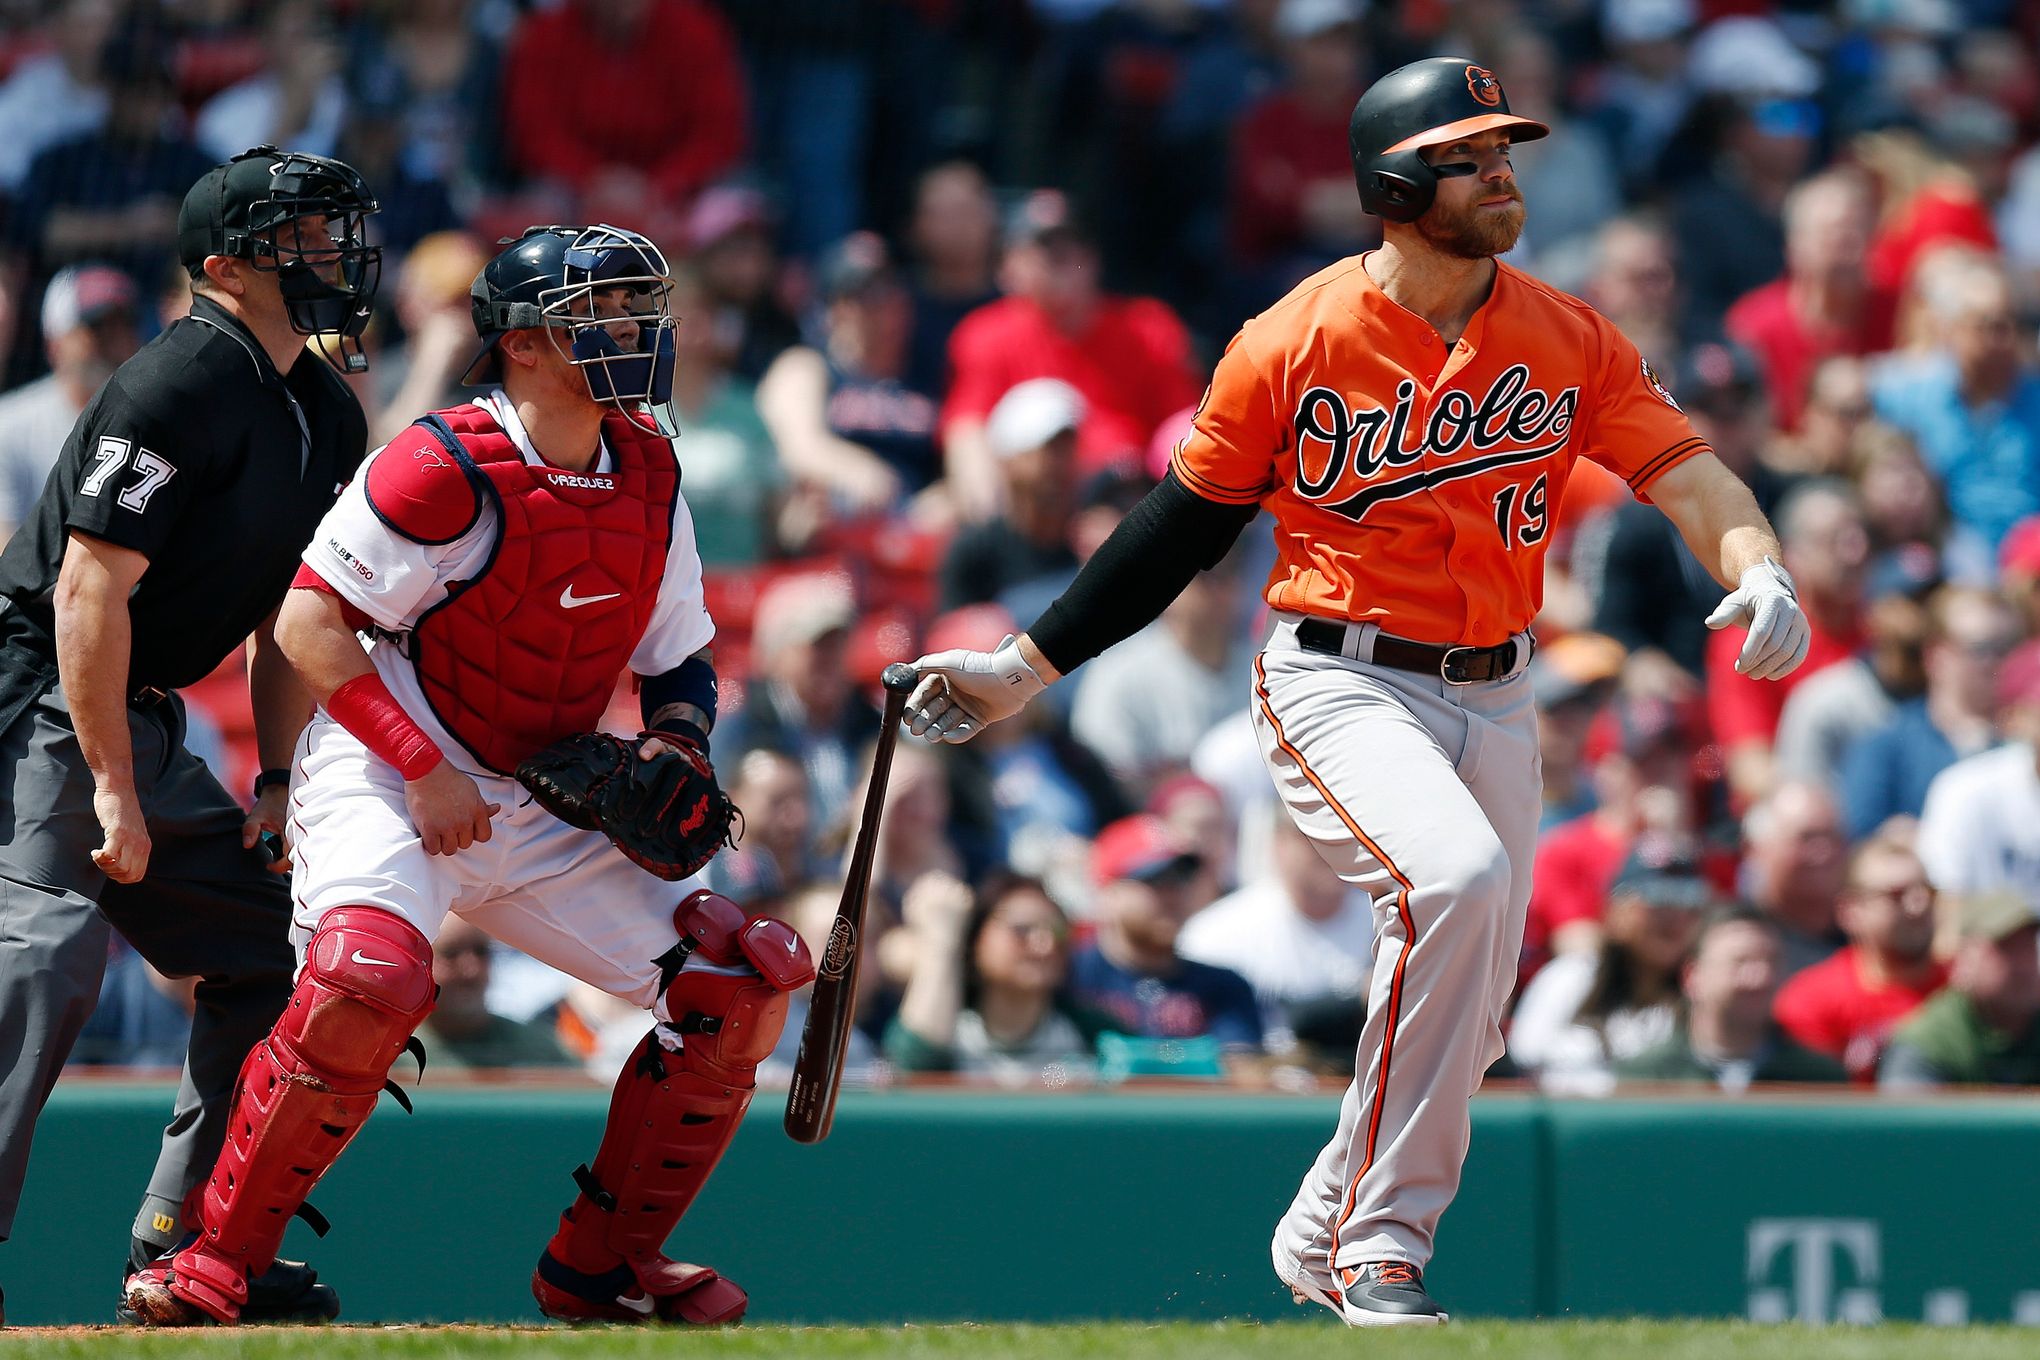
[667,814]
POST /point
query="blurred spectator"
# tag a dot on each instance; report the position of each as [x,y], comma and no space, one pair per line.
[811,70]
[1587,1010]
[1194,812]
[1980,829]
[1132,972]
[953,247]
[841,412]
[90,326]
[462,1032]
[1292,201]
[1794,863]
[56,95]
[1726,1035]
[1103,500]
[2019,572]
[112,194]
[1833,415]
[297,101]
[1042,793]
[1634,282]
[1847,1005]
[1974,407]
[1981,1029]
[1929,181]
[812,912]
[1301,937]
[415,201]
[1573,154]
[432,305]
[430,61]
[1641,97]
[657,109]
[776,855]
[1885,772]
[986,994]
[1759,129]
[729,230]
[732,472]
[1851,698]
[1143,705]
[1915,543]
[1824,304]
[1652,594]
[1639,754]
[801,699]
[914,854]
[1128,357]
[1032,432]
[1825,546]
[1572,677]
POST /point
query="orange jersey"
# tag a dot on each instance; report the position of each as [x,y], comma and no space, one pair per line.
[1414,484]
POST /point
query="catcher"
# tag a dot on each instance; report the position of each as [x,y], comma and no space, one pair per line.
[506,560]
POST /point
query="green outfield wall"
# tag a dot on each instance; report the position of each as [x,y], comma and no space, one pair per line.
[945,1206]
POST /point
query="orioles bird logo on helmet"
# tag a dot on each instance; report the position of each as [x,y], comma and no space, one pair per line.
[1483,85]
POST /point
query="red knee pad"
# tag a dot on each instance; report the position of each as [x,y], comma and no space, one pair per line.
[730,1013]
[304,1092]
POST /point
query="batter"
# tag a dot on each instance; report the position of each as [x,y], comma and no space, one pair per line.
[1409,417]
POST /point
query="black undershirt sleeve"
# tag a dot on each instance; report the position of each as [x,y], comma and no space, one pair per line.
[1163,542]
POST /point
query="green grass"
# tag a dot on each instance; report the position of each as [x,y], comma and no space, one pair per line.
[1097,1341]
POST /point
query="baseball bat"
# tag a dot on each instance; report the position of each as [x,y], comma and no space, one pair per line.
[818,1070]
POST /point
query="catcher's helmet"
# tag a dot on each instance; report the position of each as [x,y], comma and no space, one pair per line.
[245,209]
[1426,103]
[549,276]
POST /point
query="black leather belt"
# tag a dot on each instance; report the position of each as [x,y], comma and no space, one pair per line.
[1453,665]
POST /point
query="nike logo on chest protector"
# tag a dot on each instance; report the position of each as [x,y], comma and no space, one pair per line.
[569,600]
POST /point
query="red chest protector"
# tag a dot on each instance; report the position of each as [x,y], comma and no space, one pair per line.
[528,651]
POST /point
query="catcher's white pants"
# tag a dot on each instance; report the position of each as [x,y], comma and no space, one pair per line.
[562,895]
[1426,795]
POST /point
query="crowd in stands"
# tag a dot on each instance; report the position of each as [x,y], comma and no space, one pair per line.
[951,275]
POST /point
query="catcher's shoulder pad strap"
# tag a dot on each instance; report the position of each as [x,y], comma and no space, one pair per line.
[422,485]
[779,954]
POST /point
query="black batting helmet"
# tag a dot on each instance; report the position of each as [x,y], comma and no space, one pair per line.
[1426,103]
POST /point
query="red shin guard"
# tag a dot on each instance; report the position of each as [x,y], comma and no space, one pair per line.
[304,1093]
[670,1120]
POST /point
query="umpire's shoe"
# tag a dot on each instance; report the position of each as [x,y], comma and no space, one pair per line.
[287,1292]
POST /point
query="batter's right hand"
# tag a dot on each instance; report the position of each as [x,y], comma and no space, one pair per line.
[962,692]
[448,810]
[124,855]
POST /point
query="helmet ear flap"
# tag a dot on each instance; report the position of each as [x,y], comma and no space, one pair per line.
[1398,187]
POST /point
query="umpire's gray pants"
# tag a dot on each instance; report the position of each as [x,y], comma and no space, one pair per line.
[207,909]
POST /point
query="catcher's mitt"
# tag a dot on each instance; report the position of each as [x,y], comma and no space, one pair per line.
[667,814]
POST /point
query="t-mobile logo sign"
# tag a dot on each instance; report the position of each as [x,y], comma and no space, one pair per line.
[1832,1265]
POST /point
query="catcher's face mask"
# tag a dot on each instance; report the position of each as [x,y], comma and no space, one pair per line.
[612,317]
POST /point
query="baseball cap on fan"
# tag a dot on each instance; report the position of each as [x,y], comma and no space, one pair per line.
[1141,848]
[84,295]
[1032,413]
[1663,871]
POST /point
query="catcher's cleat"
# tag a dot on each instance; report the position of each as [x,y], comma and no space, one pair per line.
[288,1292]
[657,1291]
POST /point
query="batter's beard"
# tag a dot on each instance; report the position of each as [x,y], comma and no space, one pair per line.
[1473,233]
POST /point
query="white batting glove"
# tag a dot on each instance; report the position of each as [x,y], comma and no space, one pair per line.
[963,692]
[1766,602]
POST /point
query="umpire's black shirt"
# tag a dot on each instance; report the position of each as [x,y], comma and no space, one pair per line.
[201,457]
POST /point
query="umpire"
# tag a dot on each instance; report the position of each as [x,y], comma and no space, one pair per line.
[165,538]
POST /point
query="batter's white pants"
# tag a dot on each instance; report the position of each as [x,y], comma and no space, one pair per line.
[1426,795]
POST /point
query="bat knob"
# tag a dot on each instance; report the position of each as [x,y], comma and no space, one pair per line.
[899,677]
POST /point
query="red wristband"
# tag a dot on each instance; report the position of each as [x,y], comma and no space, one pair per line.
[366,708]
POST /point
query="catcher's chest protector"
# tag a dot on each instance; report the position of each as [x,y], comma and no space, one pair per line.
[529,650]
